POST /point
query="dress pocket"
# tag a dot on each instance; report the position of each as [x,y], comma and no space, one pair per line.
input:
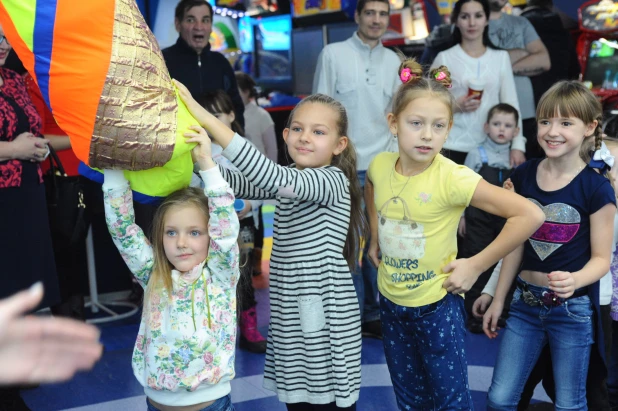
[311,311]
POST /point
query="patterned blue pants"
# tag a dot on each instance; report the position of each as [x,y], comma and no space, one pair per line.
[425,354]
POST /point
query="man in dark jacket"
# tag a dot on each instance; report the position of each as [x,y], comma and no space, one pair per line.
[562,54]
[193,63]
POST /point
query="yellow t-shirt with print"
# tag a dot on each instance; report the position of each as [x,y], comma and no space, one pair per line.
[417,226]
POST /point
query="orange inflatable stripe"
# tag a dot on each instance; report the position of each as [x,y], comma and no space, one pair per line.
[21,48]
[70,53]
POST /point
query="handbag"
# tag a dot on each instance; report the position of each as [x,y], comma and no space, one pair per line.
[69,218]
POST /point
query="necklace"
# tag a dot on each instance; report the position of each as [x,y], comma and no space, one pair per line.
[571,178]
[395,197]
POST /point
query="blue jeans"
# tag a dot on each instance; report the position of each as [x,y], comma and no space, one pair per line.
[425,353]
[222,404]
[366,279]
[568,329]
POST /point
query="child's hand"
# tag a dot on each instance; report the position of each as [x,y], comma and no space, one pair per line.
[243,213]
[490,319]
[562,283]
[220,133]
[481,304]
[373,253]
[461,229]
[460,279]
[508,185]
[197,111]
[202,152]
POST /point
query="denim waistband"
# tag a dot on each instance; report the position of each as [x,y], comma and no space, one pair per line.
[537,290]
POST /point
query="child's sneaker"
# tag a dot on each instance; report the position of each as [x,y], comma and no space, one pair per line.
[250,338]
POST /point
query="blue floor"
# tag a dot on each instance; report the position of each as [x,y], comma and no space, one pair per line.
[111,386]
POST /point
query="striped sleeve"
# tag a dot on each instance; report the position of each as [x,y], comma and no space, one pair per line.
[242,187]
[323,185]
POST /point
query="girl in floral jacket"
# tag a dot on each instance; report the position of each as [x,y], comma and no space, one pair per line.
[184,353]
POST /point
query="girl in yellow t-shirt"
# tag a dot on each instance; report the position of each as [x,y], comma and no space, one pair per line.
[415,198]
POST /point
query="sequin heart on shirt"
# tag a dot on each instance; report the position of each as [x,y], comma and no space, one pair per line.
[561,224]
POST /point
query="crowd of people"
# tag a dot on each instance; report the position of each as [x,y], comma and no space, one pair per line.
[483,172]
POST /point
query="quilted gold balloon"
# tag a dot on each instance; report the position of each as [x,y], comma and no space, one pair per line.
[101,72]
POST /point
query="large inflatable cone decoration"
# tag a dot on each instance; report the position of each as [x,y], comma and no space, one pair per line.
[102,74]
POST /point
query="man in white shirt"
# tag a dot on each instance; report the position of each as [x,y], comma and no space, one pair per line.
[362,75]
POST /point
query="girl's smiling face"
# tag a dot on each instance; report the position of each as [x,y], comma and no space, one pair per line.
[559,136]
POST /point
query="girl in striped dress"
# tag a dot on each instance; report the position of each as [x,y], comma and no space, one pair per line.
[314,341]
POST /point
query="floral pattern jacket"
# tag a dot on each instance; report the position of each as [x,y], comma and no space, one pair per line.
[186,341]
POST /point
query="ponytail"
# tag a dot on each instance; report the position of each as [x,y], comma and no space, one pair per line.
[346,162]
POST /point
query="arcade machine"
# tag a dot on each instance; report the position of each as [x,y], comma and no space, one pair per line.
[408,26]
[597,48]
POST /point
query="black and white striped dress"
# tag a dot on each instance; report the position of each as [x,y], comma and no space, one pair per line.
[314,339]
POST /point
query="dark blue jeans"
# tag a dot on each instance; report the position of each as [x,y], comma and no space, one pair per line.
[568,330]
[366,279]
[425,354]
[222,404]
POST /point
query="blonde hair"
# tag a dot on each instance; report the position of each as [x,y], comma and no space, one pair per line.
[346,162]
[573,99]
[419,86]
[161,280]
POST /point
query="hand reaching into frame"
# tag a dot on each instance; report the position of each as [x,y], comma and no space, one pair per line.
[42,349]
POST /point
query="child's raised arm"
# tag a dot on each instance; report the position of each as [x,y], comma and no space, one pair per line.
[523,218]
[219,132]
[243,188]
[223,225]
[223,228]
[128,237]
[319,185]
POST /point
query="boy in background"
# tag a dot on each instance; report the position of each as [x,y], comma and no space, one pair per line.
[478,228]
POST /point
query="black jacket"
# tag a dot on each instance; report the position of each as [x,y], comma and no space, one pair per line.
[562,54]
[208,71]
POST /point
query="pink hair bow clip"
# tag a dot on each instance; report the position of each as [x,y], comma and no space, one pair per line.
[441,76]
[406,75]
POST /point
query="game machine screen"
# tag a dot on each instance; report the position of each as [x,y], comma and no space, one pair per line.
[250,7]
[225,37]
[597,47]
[273,57]
[246,40]
[408,25]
